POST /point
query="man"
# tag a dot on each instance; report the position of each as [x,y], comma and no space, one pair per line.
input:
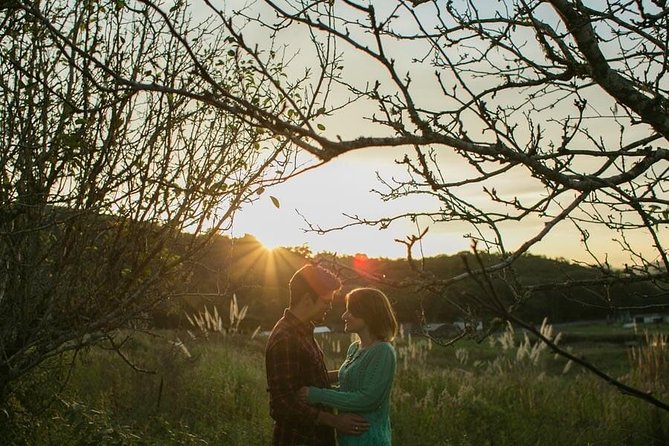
[293,360]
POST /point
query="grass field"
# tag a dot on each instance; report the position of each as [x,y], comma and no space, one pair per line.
[506,390]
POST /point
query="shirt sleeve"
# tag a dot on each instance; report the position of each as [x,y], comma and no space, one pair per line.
[376,381]
[283,382]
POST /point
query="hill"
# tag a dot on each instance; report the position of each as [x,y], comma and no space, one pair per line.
[259,278]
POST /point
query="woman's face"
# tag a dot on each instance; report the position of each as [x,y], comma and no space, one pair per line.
[352,324]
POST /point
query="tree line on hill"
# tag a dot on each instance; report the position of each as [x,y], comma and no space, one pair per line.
[258,278]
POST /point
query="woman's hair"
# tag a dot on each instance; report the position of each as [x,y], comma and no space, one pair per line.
[372,306]
[312,280]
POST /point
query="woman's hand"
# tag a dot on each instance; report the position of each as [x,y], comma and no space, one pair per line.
[302,394]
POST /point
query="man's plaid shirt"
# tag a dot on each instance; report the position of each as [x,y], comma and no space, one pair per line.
[293,360]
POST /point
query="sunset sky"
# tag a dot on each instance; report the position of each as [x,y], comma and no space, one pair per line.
[343,186]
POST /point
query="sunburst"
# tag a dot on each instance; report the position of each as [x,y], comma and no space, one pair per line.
[272,262]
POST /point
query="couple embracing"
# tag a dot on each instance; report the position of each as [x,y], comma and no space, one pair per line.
[308,403]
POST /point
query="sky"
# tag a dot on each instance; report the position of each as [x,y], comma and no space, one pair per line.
[323,195]
[344,186]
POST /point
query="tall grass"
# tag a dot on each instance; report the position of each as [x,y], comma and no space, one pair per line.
[215,394]
[211,390]
[513,391]
[650,362]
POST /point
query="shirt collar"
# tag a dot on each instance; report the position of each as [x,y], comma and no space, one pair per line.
[304,328]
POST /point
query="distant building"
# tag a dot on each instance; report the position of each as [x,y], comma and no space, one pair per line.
[444,329]
[433,326]
[317,330]
[645,319]
[655,318]
[478,325]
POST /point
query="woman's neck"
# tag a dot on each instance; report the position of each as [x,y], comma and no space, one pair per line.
[366,339]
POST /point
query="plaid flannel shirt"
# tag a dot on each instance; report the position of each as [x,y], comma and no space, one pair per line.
[293,360]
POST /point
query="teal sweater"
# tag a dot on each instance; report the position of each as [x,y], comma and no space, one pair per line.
[365,380]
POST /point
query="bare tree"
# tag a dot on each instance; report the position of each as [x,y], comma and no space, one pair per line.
[556,113]
[114,170]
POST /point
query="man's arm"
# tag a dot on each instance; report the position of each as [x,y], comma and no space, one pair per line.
[283,381]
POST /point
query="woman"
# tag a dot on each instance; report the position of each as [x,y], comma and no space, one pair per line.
[366,376]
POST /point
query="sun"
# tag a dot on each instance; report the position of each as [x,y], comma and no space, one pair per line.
[269,246]
[268,262]
[260,257]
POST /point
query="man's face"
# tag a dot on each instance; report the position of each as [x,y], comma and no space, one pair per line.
[321,306]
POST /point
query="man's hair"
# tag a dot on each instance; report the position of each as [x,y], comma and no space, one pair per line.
[372,306]
[312,280]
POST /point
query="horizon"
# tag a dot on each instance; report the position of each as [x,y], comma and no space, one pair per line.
[273,249]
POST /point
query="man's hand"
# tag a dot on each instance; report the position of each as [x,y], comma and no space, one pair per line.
[351,424]
[345,423]
[333,376]
[302,394]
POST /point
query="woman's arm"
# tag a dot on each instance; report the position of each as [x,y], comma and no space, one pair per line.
[333,378]
[376,382]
